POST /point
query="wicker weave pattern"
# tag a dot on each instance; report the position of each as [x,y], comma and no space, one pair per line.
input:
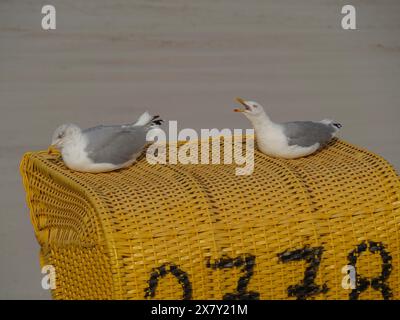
[202,232]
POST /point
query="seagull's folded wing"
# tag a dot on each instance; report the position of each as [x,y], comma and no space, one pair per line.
[307,133]
[114,144]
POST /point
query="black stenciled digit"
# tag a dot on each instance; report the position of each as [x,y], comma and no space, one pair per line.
[246,262]
[307,287]
[162,271]
[377,283]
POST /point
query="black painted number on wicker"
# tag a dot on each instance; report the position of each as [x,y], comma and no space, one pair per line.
[246,262]
[162,271]
[307,287]
[377,283]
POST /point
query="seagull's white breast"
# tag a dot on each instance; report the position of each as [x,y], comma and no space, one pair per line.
[75,158]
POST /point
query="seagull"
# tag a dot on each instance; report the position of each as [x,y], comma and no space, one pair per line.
[103,148]
[289,140]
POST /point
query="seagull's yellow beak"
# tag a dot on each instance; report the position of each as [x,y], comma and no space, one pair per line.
[52,149]
[242,102]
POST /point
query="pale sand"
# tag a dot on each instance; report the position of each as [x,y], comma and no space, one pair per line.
[108,61]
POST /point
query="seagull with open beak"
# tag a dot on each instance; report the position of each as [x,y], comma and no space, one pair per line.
[288,140]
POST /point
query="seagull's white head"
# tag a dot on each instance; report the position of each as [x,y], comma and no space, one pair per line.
[251,109]
[64,135]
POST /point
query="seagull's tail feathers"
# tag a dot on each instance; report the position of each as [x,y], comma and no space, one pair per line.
[336,125]
[156,121]
[144,119]
[333,123]
[148,120]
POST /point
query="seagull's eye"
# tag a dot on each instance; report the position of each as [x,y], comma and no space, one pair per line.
[61,135]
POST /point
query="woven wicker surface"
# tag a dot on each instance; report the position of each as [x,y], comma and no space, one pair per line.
[202,232]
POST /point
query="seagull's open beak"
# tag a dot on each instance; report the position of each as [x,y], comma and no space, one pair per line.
[243,103]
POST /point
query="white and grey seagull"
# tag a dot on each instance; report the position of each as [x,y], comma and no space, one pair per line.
[289,140]
[103,148]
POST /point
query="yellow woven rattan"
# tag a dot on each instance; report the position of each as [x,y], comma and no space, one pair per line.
[202,232]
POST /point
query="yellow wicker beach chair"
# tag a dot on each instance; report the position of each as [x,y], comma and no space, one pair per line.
[294,229]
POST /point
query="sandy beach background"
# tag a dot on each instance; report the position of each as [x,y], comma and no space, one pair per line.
[108,61]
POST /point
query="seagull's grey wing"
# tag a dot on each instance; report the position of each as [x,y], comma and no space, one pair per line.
[308,133]
[114,144]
